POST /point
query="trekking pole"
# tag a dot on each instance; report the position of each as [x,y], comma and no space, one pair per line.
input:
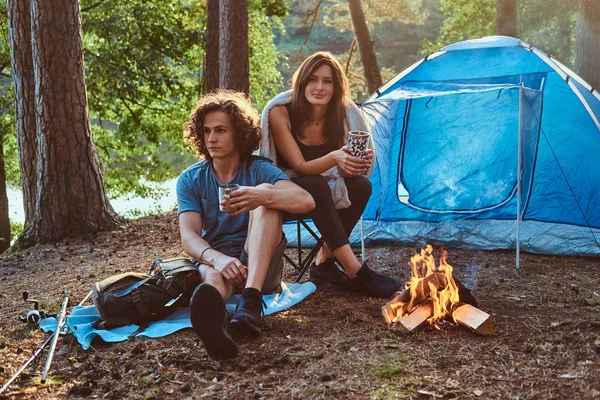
[36,353]
[59,325]
[33,357]
[85,298]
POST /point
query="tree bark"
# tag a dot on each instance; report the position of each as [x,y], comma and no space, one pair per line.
[22,72]
[365,46]
[71,199]
[506,17]
[587,57]
[4,220]
[234,63]
[211,47]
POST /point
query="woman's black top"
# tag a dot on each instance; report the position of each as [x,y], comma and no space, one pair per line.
[308,152]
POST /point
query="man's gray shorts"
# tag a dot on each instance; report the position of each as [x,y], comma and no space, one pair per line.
[272,282]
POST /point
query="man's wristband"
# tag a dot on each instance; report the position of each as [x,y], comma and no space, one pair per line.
[202,254]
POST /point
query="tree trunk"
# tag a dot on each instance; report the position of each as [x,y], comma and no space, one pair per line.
[365,46]
[70,187]
[234,63]
[22,72]
[587,57]
[4,220]
[211,47]
[506,17]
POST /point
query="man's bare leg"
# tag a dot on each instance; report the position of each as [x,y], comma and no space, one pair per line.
[215,278]
[264,234]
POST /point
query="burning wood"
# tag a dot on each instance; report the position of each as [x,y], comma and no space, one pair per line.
[418,317]
[431,295]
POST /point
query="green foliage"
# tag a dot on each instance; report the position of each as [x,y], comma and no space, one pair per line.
[270,8]
[140,62]
[550,25]
[396,29]
[265,78]
[15,230]
[7,105]
[356,80]
[376,12]
[546,24]
[143,65]
[465,19]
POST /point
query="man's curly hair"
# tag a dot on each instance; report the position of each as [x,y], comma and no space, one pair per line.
[244,119]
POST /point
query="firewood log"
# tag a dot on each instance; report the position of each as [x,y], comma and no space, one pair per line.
[422,291]
[410,322]
[475,319]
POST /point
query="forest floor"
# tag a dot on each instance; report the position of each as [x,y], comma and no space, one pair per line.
[332,345]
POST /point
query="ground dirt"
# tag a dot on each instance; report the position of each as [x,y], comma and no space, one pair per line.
[332,345]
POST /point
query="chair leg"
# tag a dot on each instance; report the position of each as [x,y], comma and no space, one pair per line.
[299,243]
[309,259]
[291,262]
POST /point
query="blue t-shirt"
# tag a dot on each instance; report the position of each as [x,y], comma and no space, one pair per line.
[198,190]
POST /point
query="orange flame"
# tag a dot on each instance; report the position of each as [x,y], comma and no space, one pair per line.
[427,282]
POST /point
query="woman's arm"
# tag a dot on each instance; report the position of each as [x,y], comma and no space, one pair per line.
[287,146]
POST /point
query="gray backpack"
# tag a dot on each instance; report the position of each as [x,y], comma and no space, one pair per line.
[137,298]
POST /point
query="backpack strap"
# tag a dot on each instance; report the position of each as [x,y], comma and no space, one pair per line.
[113,323]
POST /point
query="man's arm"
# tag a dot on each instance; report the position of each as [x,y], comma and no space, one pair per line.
[190,229]
[284,195]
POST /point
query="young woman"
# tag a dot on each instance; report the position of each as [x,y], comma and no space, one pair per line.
[310,136]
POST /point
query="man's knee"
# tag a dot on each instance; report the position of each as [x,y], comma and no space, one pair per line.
[263,212]
[211,275]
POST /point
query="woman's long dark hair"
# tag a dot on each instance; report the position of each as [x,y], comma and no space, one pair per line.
[335,116]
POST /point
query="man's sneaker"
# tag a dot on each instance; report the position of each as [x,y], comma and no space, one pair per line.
[329,273]
[372,284]
[248,313]
[209,319]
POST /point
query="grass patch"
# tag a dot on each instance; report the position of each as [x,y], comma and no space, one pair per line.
[389,366]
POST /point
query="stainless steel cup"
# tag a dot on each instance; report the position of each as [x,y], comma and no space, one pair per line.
[224,195]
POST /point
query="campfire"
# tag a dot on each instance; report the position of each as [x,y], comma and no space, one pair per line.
[434,296]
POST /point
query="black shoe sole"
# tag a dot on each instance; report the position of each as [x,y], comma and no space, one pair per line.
[243,328]
[209,319]
[324,283]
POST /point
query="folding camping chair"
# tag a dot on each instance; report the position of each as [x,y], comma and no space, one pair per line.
[302,265]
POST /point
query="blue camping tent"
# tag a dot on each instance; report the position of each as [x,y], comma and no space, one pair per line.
[453,130]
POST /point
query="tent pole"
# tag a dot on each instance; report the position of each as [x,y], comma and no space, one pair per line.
[362,240]
[519,154]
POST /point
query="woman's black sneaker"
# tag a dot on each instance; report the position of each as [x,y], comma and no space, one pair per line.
[209,319]
[372,284]
[328,272]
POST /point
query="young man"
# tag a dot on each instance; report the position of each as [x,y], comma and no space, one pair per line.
[243,248]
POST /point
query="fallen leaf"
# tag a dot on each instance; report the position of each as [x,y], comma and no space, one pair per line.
[425,392]
[569,376]
[477,392]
